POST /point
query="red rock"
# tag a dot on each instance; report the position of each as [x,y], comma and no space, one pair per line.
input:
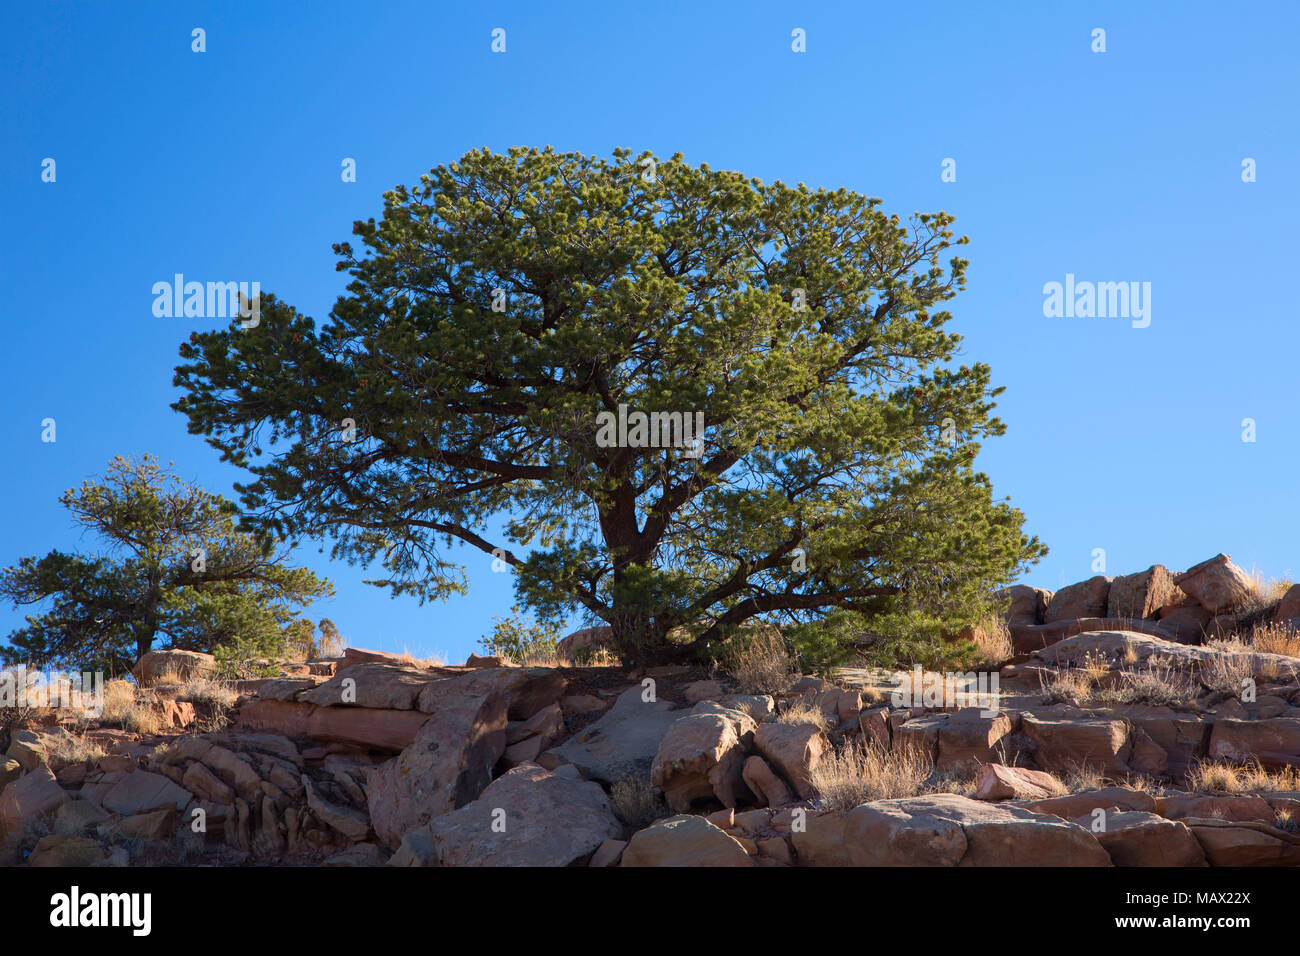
[1216,584]
[996,782]
[1139,596]
[1085,599]
[684,841]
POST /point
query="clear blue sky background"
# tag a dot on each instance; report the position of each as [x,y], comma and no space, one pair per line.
[1115,167]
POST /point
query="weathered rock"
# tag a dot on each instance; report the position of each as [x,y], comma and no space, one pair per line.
[143,790]
[608,853]
[446,766]
[1216,584]
[59,849]
[526,817]
[969,739]
[157,824]
[1187,621]
[377,684]
[1142,594]
[1182,738]
[793,750]
[286,688]
[1135,838]
[996,782]
[1235,808]
[547,723]
[684,841]
[359,854]
[587,637]
[1028,638]
[206,785]
[155,666]
[30,796]
[28,748]
[1289,607]
[352,823]
[769,789]
[1064,744]
[10,770]
[1027,605]
[702,756]
[1245,844]
[353,656]
[1273,743]
[624,742]
[951,830]
[1085,599]
[76,815]
[526,689]
[819,840]
[491,660]
[1083,803]
[362,726]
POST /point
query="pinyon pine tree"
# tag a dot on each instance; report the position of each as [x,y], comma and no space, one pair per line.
[511,306]
[177,569]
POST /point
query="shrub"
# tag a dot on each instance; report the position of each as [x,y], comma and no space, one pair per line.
[521,641]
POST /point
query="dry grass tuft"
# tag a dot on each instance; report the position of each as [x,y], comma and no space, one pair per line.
[125,709]
[636,802]
[802,711]
[763,665]
[63,748]
[1228,668]
[858,774]
[1209,777]
[993,643]
[1275,637]
[1158,684]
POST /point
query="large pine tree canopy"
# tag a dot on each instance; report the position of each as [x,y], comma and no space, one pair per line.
[506,302]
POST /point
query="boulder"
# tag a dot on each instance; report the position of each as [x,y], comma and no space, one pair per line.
[1026,605]
[608,853]
[59,849]
[951,830]
[448,763]
[348,821]
[1139,596]
[1066,743]
[1136,838]
[28,748]
[1245,844]
[157,824]
[30,796]
[1236,808]
[360,655]
[587,637]
[378,684]
[526,689]
[702,756]
[793,750]
[996,782]
[1083,803]
[1187,622]
[526,817]
[1289,607]
[768,788]
[624,742]
[1216,584]
[1085,599]
[1028,638]
[969,739]
[819,840]
[10,770]
[76,815]
[684,841]
[156,666]
[142,790]
[1274,742]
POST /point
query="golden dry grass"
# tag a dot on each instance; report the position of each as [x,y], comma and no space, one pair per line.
[763,665]
[1213,777]
[992,643]
[858,774]
[1274,637]
[124,707]
[802,711]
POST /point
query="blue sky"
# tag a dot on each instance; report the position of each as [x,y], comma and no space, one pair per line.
[1116,166]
